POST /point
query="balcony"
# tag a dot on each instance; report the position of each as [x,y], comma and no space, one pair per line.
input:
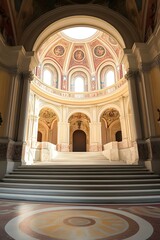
[98,95]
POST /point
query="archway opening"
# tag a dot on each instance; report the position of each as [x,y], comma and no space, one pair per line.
[47,126]
[110,126]
[79,141]
[79,125]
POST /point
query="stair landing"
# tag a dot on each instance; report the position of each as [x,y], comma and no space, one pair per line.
[79,158]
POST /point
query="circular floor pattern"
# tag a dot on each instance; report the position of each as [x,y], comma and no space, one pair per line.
[78,222]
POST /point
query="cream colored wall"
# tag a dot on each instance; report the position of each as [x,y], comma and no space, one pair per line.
[5,86]
[64,112]
[155,95]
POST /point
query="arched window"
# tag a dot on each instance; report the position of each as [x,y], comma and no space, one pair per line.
[50,75]
[47,77]
[79,84]
[109,78]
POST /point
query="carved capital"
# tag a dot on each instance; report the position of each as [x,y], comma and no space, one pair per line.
[156,62]
[28,75]
[145,67]
[132,74]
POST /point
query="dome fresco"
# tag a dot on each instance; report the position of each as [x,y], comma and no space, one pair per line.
[88,55]
[99,45]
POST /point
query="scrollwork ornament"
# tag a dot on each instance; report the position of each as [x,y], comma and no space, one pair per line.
[28,75]
[156,61]
[132,74]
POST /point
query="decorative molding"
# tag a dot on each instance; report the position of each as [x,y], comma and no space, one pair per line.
[14,59]
[3,151]
[26,75]
[154,147]
[132,74]
[143,150]
[17,152]
[146,67]
[156,61]
[95,148]
[64,147]
[10,150]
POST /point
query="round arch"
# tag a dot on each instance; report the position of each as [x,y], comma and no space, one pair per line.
[44,105]
[48,61]
[107,107]
[96,16]
[79,111]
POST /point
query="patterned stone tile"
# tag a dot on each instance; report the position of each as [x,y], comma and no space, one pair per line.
[45,221]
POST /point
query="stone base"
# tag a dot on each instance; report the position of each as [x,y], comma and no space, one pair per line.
[149,153]
[121,151]
[10,155]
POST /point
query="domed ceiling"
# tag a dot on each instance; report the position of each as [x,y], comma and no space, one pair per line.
[87,52]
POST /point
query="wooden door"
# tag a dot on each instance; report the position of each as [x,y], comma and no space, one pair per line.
[79,141]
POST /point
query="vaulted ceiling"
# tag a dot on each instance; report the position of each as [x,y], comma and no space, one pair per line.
[17,15]
[89,53]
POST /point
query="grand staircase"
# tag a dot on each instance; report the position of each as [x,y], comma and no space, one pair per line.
[82,184]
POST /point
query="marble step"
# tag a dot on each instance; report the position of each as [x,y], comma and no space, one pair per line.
[64,192]
[82,184]
[76,186]
[82,176]
[81,181]
[83,199]
[83,167]
[45,172]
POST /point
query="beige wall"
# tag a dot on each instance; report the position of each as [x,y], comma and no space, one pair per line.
[155,95]
[5,87]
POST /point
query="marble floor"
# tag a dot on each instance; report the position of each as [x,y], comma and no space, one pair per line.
[45,221]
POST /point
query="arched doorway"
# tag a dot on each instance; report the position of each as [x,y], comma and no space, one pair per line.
[79,141]
[47,126]
[110,126]
[79,127]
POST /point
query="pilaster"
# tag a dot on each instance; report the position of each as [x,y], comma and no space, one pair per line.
[133,76]
[63,136]
[95,137]
[16,65]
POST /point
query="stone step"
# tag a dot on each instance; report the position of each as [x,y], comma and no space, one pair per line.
[74,185]
[82,176]
[78,172]
[81,181]
[82,184]
[82,167]
[66,192]
[83,199]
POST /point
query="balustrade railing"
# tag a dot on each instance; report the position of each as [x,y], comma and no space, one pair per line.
[78,95]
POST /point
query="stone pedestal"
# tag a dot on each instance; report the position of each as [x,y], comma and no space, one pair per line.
[10,155]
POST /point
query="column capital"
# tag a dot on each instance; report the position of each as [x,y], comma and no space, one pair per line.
[156,61]
[132,74]
[26,75]
[146,67]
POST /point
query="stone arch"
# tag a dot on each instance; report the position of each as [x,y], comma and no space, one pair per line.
[79,121]
[51,106]
[47,125]
[110,124]
[91,15]
[115,106]
[83,111]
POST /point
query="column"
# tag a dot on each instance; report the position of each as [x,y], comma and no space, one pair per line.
[63,136]
[26,77]
[147,99]
[123,119]
[132,76]
[95,137]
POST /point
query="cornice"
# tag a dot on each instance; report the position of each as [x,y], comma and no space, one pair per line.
[145,67]
[16,58]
